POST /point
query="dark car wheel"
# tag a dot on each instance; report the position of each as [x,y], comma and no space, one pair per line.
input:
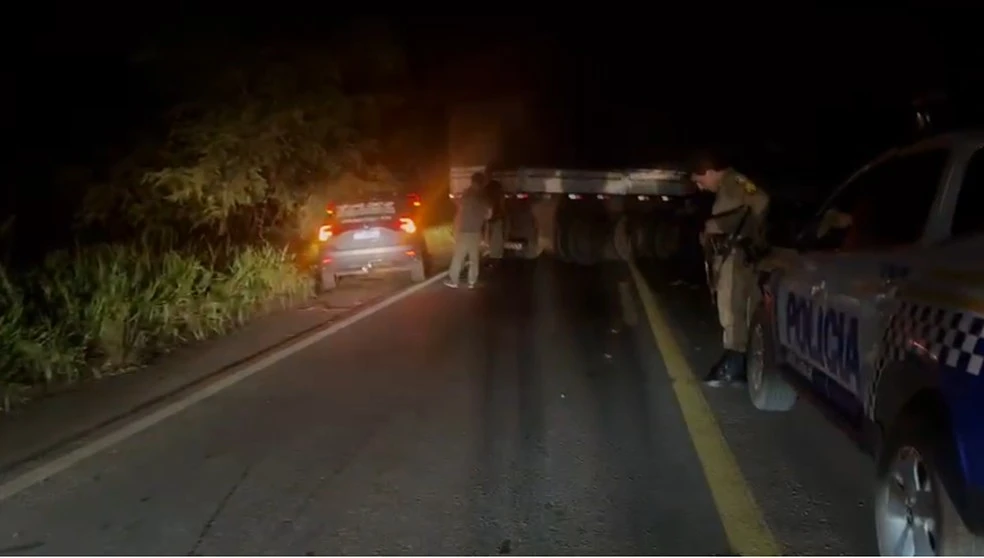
[327,281]
[914,513]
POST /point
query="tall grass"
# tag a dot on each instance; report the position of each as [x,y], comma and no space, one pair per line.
[107,309]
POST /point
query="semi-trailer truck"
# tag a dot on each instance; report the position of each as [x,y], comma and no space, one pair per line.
[584,216]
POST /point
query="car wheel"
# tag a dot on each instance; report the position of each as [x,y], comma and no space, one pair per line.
[417,272]
[767,389]
[914,514]
[328,282]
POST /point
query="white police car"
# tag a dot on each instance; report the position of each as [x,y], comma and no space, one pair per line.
[878,315]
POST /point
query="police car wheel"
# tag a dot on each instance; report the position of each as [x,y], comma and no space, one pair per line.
[914,514]
[767,389]
[327,282]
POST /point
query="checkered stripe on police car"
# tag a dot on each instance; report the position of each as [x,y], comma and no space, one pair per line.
[955,338]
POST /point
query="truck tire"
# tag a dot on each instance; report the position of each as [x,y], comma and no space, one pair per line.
[561,234]
[622,240]
[532,249]
[640,239]
[767,389]
[591,238]
[601,239]
[666,241]
[909,468]
[581,242]
[560,237]
[574,237]
[609,252]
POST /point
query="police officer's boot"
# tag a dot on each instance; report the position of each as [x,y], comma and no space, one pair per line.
[730,370]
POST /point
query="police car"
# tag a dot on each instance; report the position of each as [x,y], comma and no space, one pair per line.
[372,233]
[877,315]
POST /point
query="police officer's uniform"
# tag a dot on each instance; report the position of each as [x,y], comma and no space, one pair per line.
[733,232]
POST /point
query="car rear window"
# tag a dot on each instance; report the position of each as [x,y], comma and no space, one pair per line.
[365,211]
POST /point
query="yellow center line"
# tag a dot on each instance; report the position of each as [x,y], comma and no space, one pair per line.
[744,525]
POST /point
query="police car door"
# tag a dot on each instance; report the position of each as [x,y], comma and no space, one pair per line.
[892,205]
[800,297]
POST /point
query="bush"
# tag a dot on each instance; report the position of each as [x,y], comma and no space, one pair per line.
[252,143]
[107,309]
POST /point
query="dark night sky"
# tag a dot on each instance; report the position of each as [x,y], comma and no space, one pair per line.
[624,85]
[825,89]
[822,85]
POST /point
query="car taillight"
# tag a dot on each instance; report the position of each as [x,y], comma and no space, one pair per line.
[324,233]
[407,225]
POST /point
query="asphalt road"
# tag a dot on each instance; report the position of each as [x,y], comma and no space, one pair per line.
[532,416]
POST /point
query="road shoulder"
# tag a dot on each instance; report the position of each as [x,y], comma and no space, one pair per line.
[51,424]
[811,482]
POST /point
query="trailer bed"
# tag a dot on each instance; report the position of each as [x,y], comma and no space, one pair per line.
[545,181]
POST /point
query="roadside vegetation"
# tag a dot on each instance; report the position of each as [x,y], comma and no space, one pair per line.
[207,220]
[107,309]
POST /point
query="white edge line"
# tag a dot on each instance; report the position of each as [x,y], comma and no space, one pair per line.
[59,464]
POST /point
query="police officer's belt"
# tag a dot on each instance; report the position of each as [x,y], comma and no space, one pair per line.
[719,244]
[722,245]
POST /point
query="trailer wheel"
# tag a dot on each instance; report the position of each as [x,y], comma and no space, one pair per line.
[666,241]
[640,239]
[622,240]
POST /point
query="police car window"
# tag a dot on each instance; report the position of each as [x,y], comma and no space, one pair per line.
[855,194]
[891,202]
[966,216]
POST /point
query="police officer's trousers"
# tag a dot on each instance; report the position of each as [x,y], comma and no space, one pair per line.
[736,298]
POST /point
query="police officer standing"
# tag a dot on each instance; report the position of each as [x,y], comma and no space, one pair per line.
[734,235]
